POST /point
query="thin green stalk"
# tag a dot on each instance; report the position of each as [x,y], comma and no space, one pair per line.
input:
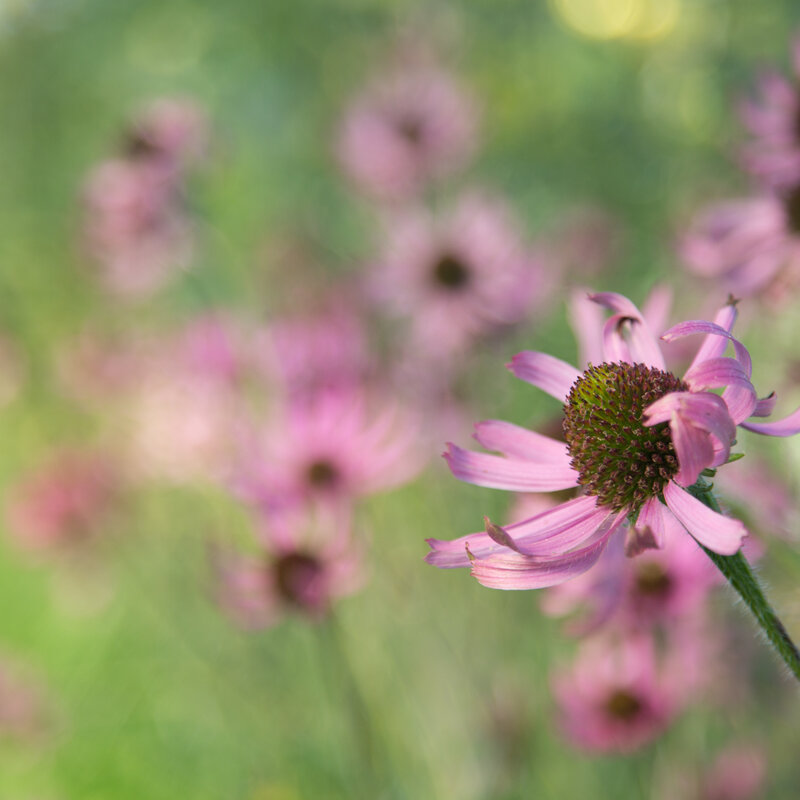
[738,573]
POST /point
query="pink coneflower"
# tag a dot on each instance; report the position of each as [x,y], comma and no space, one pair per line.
[306,565]
[637,437]
[773,119]
[65,502]
[617,697]
[135,229]
[459,276]
[749,246]
[410,127]
[327,451]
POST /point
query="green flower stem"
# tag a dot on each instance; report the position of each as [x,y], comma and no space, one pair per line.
[738,573]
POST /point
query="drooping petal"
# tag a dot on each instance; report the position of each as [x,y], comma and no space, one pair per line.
[550,533]
[517,442]
[511,474]
[648,532]
[628,332]
[694,450]
[548,373]
[510,570]
[721,534]
[694,417]
[788,426]
[739,395]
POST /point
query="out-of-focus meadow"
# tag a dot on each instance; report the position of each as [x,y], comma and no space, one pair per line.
[227,388]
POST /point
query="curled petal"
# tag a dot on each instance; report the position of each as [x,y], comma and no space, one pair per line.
[512,474]
[627,333]
[546,372]
[694,417]
[721,534]
[788,426]
[550,533]
[517,442]
[765,406]
[739,395]
[691,327]
[510,570]
[714,345]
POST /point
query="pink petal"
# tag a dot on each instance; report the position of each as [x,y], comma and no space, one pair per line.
[788,426]
[765,406]
[714,345]
[511,474]
[516,571]
[648,532]
[550,533]
[721,534]
[714,372]
[683,329]
[586,319]
[548,373]
[692,417]
[517,442]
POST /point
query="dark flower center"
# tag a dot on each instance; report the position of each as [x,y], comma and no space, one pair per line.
[297,578]
[450,272]
[410,129]
[652,579]
[618,459]
[623,705]
[322,474]
[791,207]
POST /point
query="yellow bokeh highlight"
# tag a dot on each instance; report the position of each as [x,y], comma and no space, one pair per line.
[617,19]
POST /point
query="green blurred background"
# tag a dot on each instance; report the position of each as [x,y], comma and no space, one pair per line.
[625,104]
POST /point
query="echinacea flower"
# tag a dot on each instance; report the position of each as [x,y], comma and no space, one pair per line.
[617,696]
[773,119]
[457,276]
[749,246]
[314,453]
[306,563]
[408,128]
[637,437]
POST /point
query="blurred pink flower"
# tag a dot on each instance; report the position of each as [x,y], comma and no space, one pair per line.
[773,119]
[65,502]
[328,450]
[408,128]
[748,247]
[307,563]
[637,437]
[459,276]
[617,697]
[171,131]
[135,228]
